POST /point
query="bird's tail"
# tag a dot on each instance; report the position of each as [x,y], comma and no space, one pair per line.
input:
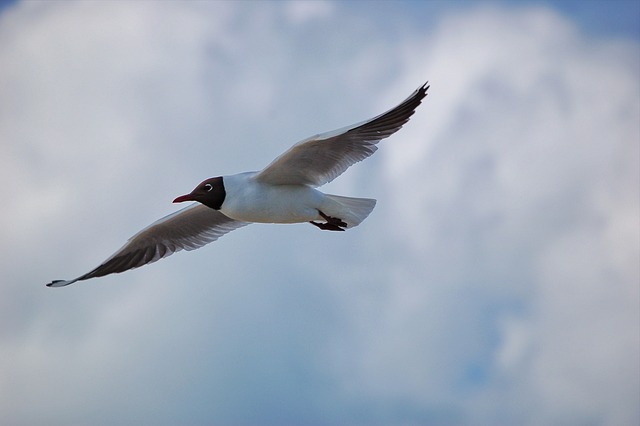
[348,209]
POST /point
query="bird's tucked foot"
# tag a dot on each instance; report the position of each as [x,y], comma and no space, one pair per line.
[332,224]
[333,220]
[327,226]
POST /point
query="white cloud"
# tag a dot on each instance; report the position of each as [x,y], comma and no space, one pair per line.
[305,12]
[525,188]
[495,283]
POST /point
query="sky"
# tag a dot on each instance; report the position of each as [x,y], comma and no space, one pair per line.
[496,282]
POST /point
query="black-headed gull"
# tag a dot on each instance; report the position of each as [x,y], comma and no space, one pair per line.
[283,192]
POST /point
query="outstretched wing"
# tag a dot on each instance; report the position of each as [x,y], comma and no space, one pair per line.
[321,158]
[188,229]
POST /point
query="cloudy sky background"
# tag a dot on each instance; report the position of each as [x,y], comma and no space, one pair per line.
[496,282]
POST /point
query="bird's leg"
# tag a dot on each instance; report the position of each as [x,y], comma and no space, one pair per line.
[327,226]
[332,224]
[333,220]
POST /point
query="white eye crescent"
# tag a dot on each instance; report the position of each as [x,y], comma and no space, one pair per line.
[208,187]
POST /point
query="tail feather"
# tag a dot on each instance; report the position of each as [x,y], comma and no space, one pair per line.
[348,209]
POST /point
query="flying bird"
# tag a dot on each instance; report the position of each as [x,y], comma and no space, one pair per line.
[283,192]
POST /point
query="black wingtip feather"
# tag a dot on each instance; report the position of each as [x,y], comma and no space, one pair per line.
[391,121]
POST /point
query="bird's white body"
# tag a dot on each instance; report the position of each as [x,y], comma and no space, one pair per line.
[251,200]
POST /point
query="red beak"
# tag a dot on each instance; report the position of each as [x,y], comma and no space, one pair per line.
[183,198]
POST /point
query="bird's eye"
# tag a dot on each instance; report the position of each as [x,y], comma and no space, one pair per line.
[208,187]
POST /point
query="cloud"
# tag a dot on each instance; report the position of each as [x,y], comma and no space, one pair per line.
[495,283]
[302,13]
[526,190]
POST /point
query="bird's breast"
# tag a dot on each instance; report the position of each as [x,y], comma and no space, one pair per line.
[252,201]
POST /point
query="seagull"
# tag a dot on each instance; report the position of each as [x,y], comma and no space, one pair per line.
[283,192]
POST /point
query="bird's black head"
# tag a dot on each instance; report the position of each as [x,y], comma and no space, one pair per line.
[211,193]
